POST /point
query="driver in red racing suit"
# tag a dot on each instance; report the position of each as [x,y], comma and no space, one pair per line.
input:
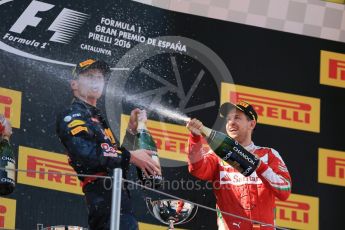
[251,197]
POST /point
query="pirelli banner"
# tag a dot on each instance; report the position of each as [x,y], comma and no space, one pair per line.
[173,65]
[7,213]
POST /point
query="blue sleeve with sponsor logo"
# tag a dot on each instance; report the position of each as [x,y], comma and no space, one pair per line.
[91,148]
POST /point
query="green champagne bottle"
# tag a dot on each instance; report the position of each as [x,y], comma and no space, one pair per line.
[144,140]
[231,151]
[7,165]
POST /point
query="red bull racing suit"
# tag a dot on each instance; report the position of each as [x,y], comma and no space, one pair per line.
[92,149]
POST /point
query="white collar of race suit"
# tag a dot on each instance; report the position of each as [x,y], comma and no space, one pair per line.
[251,147]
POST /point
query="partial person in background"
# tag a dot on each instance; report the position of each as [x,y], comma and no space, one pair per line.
[251,197]
[93,149]
[7,158]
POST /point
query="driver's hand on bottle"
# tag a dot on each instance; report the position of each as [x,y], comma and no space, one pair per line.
[142,116]
[136,115]
[5,127]
[143,160]
[194,125]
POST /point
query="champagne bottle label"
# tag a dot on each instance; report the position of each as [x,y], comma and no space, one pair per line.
[10,170]
[232,152]
[9,165]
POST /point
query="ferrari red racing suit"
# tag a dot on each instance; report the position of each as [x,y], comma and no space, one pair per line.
[251,197]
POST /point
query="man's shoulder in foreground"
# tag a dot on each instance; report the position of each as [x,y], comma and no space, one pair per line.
[261,150]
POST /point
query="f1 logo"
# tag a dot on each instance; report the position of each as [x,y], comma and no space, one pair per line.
[63,33]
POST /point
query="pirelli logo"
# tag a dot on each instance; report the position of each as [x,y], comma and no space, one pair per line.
[332,69]
[51,165]
[171,140]
[7,213]
[10,105]
[331,167]
[277,108]
[298,212]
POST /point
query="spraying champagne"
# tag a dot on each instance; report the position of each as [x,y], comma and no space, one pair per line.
[230,150]
[224,146]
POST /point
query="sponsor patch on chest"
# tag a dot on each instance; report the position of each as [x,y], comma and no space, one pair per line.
[110,151]
[236,178]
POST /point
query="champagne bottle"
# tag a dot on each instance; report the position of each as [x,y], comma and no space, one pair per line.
[231,151]
[7,163]
[145,141]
